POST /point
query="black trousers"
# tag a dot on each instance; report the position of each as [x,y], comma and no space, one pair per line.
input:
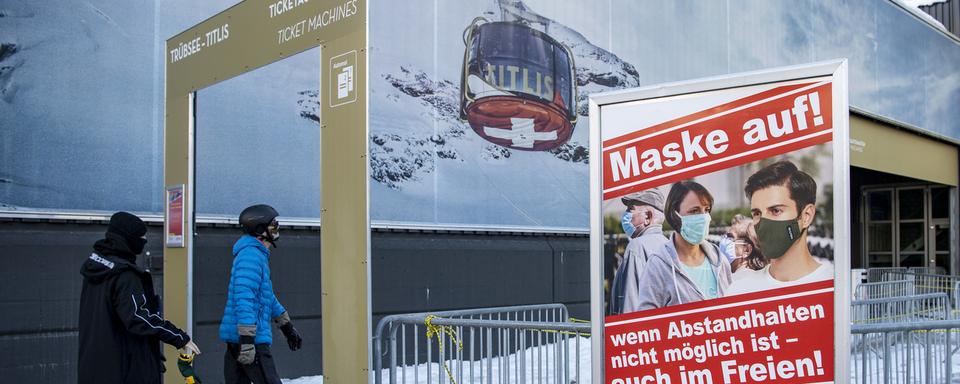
[261,371]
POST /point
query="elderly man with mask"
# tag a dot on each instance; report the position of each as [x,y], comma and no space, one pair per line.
[643,224]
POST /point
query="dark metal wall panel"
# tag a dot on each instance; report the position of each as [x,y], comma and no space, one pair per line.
[429,272]
[41,358]
[294,268]
[295,272]
[948,14]
[572,269]
[422,272]
[41,276]
[40,286]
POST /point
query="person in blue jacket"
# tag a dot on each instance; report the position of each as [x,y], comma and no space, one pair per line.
[252,305]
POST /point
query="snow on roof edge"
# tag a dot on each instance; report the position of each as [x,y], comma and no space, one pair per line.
[925,17]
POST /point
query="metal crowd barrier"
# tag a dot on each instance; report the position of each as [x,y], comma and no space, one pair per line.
[877,274]
[929,283]
[909,352]
[901,309]
[903,326]
[884,289]
[928,270]
[523,344]
[902,332]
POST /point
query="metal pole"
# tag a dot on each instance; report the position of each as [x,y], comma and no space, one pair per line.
[416,354]
[949,356]
[928,360]
[523,358]
[472,329]
[393,354]
[886,358]
[540,351]
[377,364]
[863,359]
[516,343]
[489,356]
[909,356]
[577,354]
[429,361]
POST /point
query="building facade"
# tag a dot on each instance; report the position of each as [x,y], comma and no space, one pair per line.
[472,211]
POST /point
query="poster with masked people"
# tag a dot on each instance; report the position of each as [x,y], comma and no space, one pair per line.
[730,195]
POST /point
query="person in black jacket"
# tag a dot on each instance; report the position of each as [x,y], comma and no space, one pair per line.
[120,323]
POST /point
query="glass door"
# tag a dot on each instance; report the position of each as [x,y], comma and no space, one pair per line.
[939,227]
[907,226]
[878,236]
[911,227]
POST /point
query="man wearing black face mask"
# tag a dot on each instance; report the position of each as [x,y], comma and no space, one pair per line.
[120,325]
[783,206]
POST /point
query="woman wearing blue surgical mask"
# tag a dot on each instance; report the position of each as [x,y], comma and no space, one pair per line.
[688,268]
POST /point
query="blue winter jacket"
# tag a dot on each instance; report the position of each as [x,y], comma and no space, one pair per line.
[250,298]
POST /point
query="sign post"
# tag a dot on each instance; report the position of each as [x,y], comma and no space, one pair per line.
[732,198]
[247,36]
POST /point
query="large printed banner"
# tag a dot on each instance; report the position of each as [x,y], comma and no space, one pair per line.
[719,225]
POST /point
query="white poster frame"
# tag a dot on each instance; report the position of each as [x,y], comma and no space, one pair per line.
[172,241]
[837,69]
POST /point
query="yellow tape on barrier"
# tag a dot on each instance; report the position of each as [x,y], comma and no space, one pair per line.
[436,330]
[942,287]
[934,331]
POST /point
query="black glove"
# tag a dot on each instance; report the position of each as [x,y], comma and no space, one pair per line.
[294,341]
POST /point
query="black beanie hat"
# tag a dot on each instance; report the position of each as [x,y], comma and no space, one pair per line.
[127,225]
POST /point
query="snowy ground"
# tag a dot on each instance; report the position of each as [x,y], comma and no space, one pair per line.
[305,380]
[907,362]
[534,370]
[899,367]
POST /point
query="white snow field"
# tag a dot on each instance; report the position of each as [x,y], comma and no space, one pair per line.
[535,373]
[900,355]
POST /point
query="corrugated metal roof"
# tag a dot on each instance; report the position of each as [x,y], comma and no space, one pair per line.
[947,13]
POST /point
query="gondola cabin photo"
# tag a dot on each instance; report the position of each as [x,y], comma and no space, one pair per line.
[518,87]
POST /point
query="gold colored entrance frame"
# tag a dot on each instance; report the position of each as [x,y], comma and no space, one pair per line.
[240,39]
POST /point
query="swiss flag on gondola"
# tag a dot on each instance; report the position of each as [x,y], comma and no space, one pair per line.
[516,123]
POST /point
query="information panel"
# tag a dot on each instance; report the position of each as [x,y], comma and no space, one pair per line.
[722,205]
[174,217]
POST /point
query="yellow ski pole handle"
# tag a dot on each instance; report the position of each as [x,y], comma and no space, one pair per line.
[186,368]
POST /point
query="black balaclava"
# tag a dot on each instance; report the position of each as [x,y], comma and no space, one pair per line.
[124,237]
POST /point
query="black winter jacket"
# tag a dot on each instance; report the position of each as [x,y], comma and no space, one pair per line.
[120,322]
